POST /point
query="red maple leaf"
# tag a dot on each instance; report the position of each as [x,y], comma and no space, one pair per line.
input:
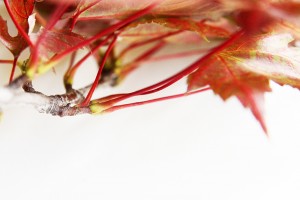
[245,68]
[21,11]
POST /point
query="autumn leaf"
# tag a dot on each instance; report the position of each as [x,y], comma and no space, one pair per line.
[202,28]
[21,11]
[245,68]
[161,31]
[56,41]
[118,9]
[156,26]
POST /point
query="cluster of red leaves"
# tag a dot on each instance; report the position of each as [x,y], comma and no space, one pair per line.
[253,42]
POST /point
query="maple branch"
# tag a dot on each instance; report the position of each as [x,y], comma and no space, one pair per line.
[58,105]
[18,82]
[64,105]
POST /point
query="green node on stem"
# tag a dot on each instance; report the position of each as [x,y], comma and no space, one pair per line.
[97,108]
[41,69]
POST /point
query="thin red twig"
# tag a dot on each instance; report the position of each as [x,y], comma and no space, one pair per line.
[12,73]
[137,44]
[182,73]
[7,61]
[51,23]
[70,73]
[97,79]
[118,107]
[75,17]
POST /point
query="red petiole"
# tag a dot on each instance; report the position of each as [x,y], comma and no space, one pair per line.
[98,76]
[7,61]
[53,20]
[13,69]
[71,71]
[169,81]
[75,17]
[119,107]
[137,44]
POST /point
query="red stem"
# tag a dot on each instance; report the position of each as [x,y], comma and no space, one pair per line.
[107,98]
[142,57]
[53,20]
[20,29]
[75,17]
[105,32]
[137,44]
[150,52]
[118,107]
[182,73]
[176,55]
[40,19]
[12,73]
[6,61]
[72,60]
[97,79]
[73,70]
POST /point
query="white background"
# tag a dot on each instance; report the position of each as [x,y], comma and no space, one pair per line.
[196,147]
